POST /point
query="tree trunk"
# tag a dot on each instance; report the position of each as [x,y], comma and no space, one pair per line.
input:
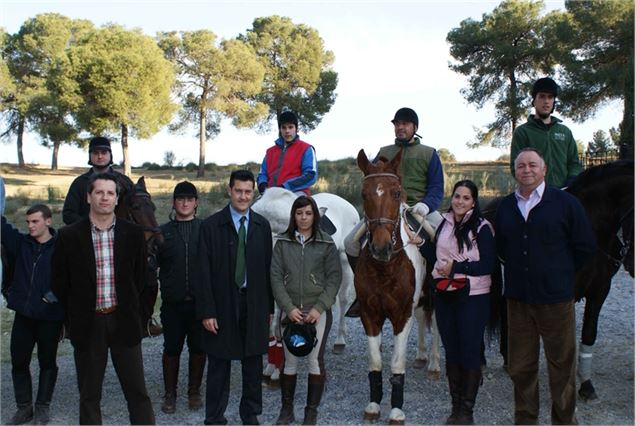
[626,127]
[19,142]
[127,170]
[56,151]
[201,142]
[513,101]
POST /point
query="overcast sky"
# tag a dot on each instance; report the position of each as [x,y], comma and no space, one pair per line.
[387,54]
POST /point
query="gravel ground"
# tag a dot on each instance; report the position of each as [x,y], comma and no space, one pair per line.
[426,401]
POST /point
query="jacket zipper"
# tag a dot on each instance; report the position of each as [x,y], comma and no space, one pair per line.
[37,258]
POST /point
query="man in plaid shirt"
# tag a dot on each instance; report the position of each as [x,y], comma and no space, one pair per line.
[99,267]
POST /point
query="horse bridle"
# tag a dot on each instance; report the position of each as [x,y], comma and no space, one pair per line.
[154,229]
[384,220]
[625,244]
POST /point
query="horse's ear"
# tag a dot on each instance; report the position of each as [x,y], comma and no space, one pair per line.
[394,163]
[362,161]
[141,183]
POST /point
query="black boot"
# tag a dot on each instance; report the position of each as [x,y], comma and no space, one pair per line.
[313,398]
[170,377]
[453,371]
[23,397]
[471,380]
[195,374]
[354,310]
[287,388]
[45,389]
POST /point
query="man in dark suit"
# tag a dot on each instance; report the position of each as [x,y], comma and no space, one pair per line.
[99,268]
[234,299]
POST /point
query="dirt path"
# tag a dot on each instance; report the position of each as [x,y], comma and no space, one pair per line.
[426,402]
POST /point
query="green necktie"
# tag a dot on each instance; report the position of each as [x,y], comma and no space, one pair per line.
[240,254]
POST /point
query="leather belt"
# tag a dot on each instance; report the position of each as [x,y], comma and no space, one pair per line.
[106,311]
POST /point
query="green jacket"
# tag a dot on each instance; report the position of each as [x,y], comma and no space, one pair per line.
[413,168]
[556,144]
[305,276]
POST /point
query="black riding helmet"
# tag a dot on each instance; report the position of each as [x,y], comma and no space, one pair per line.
[185,189]
[406,114]
[300,339]
[99,143]
[545,85]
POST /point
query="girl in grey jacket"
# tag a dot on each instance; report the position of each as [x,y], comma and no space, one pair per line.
[305,278]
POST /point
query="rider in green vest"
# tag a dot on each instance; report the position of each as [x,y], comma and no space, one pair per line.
[421,177]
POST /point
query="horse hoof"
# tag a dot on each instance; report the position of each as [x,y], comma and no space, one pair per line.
[396,422]
[420,363]
[338,348]
[587,391]
[371,417]
[434,375]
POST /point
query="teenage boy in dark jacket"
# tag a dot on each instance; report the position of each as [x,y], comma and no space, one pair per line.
[38,315]
[178,273]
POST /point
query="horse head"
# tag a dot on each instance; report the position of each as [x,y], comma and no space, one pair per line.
[382,197]
[135,204]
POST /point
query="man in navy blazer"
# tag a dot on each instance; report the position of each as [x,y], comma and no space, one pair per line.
[99,270]
[543,235]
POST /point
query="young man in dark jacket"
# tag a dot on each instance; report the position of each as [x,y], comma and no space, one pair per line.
[38,315]
[178,273]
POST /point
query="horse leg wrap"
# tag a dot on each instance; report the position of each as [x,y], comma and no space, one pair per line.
[396,398]
[376,391]
[585,358]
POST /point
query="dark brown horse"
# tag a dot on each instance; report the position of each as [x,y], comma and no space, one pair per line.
[135,204]
[606,192]
[388,278]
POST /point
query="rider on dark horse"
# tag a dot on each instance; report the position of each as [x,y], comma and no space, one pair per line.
[547,135]
[100,158]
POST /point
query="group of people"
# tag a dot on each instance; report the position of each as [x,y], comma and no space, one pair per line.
[219,279]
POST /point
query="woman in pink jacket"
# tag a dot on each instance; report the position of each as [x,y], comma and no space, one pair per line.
[465,248]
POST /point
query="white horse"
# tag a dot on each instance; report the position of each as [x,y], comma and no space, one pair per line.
[275,206]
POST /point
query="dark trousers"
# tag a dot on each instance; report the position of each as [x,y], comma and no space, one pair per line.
[461,325]
[25,334]
[218,380]
[555,323]
[180,323]
[90,362]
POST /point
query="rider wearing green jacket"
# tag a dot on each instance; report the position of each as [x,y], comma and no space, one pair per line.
[546,134]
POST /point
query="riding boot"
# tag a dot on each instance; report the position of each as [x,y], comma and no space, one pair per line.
[23,397]
[471,380]
[170,378]
[287,388]
[195,374]
[45,389]
[354,310]
[453,371]
[313,398]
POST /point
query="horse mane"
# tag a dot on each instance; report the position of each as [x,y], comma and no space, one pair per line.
[596,174]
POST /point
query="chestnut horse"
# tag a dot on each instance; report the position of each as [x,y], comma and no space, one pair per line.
[388,278]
